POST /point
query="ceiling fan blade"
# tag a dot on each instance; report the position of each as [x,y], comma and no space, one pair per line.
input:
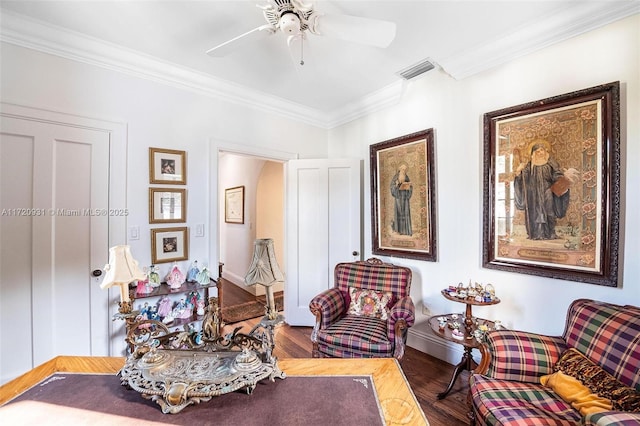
[356,29]
[243,39]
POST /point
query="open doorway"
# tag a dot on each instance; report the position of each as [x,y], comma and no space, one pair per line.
[263,186]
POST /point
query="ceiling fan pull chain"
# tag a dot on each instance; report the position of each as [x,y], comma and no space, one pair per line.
[302,50]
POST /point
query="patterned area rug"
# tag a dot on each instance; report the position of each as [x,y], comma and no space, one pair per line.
[83,399]
[248,310]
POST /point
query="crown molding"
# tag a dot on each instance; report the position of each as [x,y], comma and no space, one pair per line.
[375,101]
[43,37]
[37,35]
[577,18]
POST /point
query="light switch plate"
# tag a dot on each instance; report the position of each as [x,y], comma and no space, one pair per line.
[134,232]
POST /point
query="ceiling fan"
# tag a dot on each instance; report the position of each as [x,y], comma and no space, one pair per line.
[295,18]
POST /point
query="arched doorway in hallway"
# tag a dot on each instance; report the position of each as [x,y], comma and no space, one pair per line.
[262,182]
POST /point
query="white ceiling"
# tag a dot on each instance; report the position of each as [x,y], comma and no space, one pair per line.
[461,37]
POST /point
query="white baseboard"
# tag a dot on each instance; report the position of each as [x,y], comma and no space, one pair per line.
[235,279]
[439,348]
[256,290]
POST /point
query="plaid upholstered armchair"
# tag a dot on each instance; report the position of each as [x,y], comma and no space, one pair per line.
[366,314]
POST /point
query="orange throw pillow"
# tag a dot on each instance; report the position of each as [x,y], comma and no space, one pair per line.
[575,393]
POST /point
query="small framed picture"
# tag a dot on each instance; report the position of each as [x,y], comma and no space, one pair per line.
[167,166]
[169,245]
[234,205]
[167,205]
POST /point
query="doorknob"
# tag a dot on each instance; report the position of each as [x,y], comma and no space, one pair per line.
[355,253]
[96,272]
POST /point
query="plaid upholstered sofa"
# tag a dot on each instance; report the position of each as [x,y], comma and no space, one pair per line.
[366,314]
[591,373]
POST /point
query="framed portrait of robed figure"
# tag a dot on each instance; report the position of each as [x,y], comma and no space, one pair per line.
[403,197]
[552,187]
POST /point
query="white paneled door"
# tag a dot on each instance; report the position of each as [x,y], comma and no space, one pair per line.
[54,196]
[323,217]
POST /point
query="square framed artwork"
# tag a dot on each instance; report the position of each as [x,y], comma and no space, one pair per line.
[167,166]
[169,245]
[403,197]
[167,205]
[552,187]
[234,205]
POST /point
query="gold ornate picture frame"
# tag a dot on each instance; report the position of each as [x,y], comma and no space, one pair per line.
[167,205]
[167,166]
[169,244]
[552,187]
[403,197]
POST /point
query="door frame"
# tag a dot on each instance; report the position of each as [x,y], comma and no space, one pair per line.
[102,327]
[218,147]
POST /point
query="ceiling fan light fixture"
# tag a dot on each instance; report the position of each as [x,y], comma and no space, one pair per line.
[295,18]
[289,24]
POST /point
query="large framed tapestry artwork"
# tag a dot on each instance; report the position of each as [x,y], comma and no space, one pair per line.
[403,197]
[552,187]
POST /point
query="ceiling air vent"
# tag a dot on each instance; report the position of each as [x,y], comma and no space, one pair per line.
[416,69]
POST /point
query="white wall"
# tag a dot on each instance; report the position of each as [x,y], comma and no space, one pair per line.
[270,214]
[263,214]
[156,115]
[454,109]
[236,240]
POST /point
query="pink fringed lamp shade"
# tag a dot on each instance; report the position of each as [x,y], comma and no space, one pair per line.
[121,270]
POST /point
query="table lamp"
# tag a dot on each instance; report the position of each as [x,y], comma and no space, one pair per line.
[264,270]
[122,270]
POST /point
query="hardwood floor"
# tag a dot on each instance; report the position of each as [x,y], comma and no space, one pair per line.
[233,294]
[426,375]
